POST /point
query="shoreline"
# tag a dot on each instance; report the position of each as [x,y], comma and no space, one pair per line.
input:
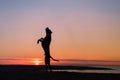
[56,67]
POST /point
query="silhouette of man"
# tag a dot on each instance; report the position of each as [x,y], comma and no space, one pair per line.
[45,42]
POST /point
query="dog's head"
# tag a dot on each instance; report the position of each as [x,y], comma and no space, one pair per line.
[48,31]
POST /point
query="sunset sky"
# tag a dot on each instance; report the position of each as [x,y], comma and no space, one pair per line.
[82,29]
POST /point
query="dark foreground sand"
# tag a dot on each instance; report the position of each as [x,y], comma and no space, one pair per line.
[20,72]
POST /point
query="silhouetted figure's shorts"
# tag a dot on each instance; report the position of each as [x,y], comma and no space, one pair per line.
[47,60]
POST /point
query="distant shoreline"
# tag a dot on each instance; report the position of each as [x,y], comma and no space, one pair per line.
[55,67]
[31,61]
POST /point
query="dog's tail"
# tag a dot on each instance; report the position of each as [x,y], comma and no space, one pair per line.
[53,58]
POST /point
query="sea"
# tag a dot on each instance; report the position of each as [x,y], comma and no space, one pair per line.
[114,69]
[113,65]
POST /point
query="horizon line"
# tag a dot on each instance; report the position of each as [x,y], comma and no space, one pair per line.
[64,59]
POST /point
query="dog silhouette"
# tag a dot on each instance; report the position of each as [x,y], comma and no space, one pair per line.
[45,42]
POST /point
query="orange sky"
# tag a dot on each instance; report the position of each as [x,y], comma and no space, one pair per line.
[86,32]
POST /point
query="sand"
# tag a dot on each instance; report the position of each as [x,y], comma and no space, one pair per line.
[23,72]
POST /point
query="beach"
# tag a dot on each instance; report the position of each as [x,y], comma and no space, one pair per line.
[33,72]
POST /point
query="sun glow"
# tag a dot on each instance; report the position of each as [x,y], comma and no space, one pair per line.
[37,61]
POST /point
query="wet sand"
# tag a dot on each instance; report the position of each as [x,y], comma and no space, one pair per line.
[27,72]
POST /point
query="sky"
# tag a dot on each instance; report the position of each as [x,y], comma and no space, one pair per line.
[82,29]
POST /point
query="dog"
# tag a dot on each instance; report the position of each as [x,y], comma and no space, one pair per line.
[45,42]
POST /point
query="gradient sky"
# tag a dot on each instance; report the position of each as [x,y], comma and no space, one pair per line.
[82,29]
